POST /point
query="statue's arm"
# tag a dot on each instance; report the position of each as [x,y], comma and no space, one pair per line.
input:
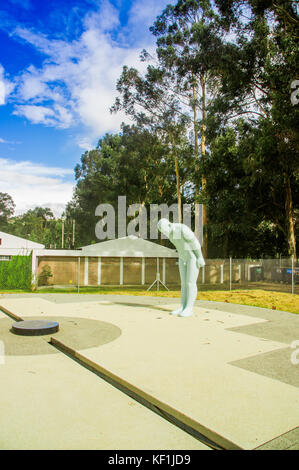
[200,262]
[196,248]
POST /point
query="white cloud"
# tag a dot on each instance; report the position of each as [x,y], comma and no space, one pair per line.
[106,19]
[80,87]
[143,14]
[33,87]
[4,141]
[57,116]
[77,82]
[32,185]
[6,86]
[36,114]
[85,143]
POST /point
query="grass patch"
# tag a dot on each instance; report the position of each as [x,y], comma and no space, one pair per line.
[256,298]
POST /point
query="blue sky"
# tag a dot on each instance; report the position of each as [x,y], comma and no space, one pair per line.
[59,63]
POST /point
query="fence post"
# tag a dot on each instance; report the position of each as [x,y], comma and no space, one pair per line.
[121,271]
[143,271]
[292,274]
[230,273]
[99,270]
[86,269]
[221,274]
[34,269]
[79,273]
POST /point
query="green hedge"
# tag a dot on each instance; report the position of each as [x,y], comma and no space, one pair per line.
[16,273]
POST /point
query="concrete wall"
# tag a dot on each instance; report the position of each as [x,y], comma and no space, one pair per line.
[172,275]
[64,269]
[132,271]
[108,270]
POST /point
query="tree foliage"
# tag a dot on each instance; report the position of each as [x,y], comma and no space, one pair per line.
[7,208]
[254,83]
[135,164]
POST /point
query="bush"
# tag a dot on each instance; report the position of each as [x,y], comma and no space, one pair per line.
[45,275]
[16,273]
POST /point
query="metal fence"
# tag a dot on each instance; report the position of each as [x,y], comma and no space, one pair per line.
[280,274]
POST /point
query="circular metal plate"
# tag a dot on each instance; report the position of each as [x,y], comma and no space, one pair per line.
[35,327]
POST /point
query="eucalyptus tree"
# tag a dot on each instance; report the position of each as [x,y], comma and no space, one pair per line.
[152,101]
[189,43]
[130,164]
[244,193]
[260,66]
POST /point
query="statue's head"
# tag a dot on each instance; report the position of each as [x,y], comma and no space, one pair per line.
[165,227]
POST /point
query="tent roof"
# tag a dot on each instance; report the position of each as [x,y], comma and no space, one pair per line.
[11,241]
[130,246]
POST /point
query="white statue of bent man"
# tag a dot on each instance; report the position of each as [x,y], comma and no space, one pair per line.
[190,261]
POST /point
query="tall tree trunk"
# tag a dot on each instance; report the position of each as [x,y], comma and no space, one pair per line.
[203,152]
[226,245]
[196,155]
[178,188]
[289,216]
[177,175]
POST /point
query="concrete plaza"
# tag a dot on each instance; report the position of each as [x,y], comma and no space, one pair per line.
[225,372]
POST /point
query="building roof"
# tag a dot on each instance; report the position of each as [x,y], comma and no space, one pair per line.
[11,241]
[130,246]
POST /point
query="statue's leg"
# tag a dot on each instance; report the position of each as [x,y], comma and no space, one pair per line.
[183,273]
[191,287]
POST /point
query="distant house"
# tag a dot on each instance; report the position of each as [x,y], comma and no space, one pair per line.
[11,245]
[123,261]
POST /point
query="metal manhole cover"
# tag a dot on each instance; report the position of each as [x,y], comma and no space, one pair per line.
[35,327]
